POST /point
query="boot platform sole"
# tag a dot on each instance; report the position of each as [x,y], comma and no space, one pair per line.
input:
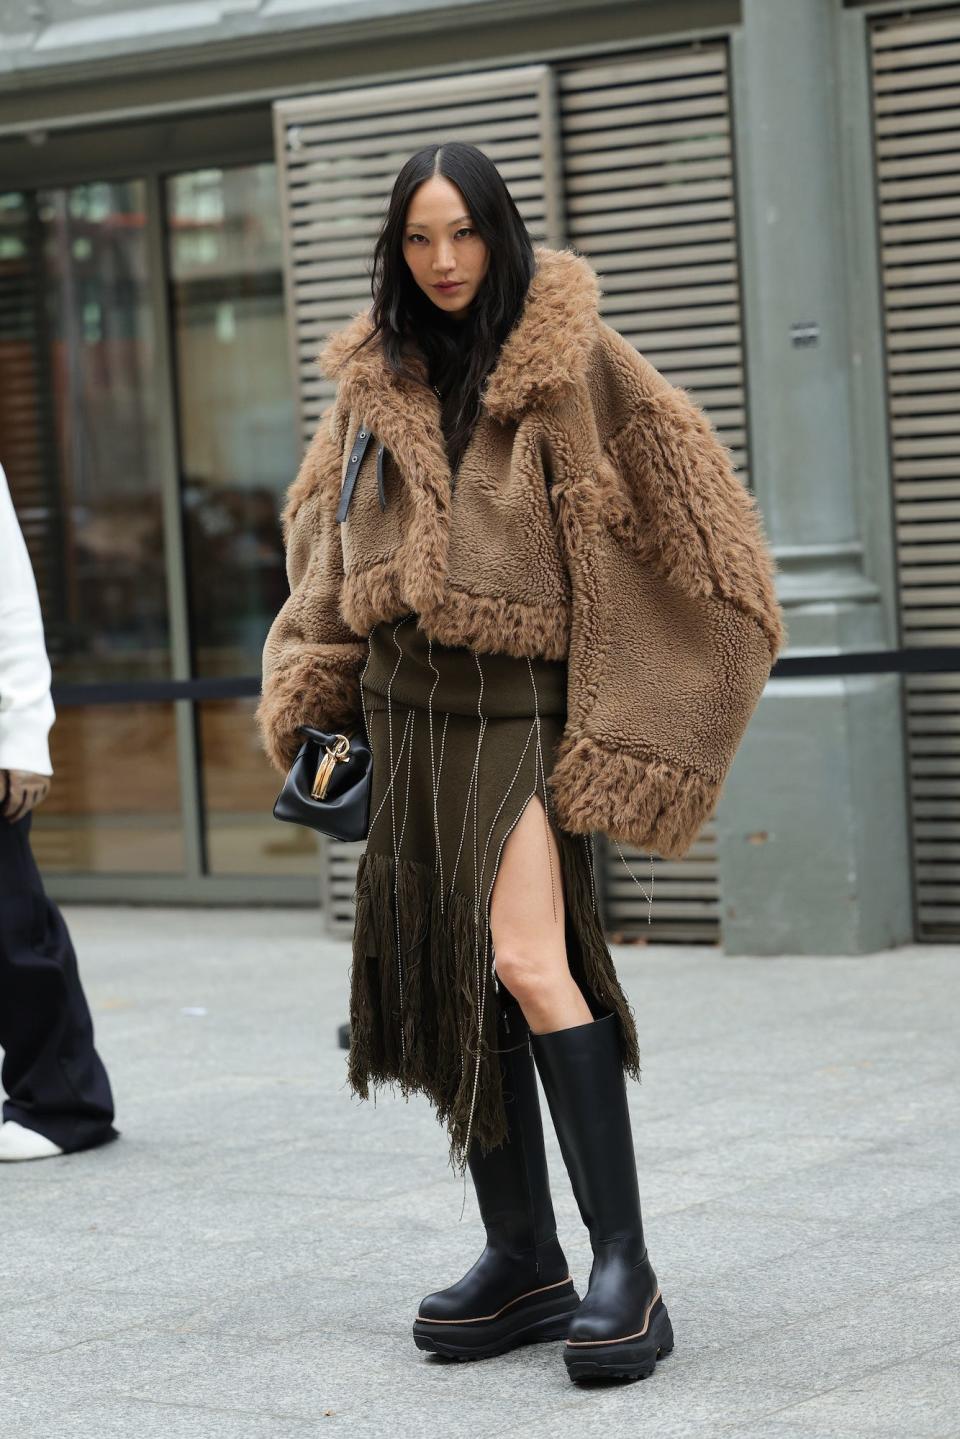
[623,1359]
[535,1322]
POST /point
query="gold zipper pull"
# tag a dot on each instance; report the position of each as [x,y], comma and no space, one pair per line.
[322,777]
[337,752]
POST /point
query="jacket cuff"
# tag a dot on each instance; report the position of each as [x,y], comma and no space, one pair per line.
[318,685]
[649,803]
[24,736]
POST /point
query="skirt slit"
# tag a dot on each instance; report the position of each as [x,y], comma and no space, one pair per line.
[424,991]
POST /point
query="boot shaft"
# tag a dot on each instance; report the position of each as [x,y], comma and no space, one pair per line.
[583,1079]
[511,1181]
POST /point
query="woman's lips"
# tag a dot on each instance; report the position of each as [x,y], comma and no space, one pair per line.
[454,286]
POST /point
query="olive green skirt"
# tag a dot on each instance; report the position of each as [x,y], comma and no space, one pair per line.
[460,742]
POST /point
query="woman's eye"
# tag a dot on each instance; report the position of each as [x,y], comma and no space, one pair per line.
[464,230]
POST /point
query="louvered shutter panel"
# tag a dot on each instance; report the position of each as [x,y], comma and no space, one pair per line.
[916,97]
[338,880]
[338,156]
[649,197]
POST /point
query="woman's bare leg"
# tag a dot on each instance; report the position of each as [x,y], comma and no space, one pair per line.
[527,926]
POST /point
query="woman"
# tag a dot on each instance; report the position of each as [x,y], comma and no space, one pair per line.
[522,559]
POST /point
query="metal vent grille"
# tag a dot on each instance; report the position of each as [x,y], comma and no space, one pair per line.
[649,197]
[686,893]
[338,870]
[916,116]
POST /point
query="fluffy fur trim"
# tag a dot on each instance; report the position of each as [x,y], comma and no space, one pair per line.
[372,594]
[547,348]
[644,802]
[497,626]
[550,344]
[318,685]
[484,622]
[673,494]
[319,470]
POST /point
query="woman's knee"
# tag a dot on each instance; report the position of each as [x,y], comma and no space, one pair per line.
[525,974]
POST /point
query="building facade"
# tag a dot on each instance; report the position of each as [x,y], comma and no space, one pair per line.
[767,190]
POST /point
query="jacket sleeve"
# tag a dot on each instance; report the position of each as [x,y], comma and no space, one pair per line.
[311,657]
[26,708]
[674,618]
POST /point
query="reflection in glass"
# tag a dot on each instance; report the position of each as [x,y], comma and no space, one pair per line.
[238,455]
[114,806]
[76,425]
[236,407]
[78,440]
[239,789]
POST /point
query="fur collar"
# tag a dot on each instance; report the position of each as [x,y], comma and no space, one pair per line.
[547,348]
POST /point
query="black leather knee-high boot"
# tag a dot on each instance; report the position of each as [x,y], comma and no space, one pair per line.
[520,1290]
[622,1326]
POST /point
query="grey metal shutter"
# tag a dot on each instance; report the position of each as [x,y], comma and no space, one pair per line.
[338,155]
[916,99]
[649,197]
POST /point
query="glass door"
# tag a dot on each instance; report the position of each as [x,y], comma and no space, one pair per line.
[237,456]
[78,442]
[148,434]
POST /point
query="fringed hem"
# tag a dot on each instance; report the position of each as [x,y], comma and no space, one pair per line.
[439,984]
[438,1051]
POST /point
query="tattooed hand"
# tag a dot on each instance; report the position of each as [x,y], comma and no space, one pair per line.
[20,792]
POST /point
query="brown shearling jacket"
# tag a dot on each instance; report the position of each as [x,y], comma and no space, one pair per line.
[596,517]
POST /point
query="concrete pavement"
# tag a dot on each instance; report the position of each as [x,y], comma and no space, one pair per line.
[247,1260]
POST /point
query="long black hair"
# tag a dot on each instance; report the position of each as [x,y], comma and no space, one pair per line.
[459,353]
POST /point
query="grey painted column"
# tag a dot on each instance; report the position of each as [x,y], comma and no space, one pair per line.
[812,824]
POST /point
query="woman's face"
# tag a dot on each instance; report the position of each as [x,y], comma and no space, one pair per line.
[441,245]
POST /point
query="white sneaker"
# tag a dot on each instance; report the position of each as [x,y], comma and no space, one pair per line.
[18,1143]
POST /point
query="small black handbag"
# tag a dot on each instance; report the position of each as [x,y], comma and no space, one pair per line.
[328,787]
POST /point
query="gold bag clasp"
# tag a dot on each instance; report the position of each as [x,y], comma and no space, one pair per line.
[337,752]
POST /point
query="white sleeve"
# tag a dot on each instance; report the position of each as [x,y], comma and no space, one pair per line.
[26,709]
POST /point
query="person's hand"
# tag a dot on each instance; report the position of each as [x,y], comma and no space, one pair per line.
[20,791]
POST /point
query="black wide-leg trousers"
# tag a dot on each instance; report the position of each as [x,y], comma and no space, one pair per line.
[54,1079]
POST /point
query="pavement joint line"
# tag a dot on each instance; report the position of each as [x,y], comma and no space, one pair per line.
[853,1379]
[140,1398]
[784,1324]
